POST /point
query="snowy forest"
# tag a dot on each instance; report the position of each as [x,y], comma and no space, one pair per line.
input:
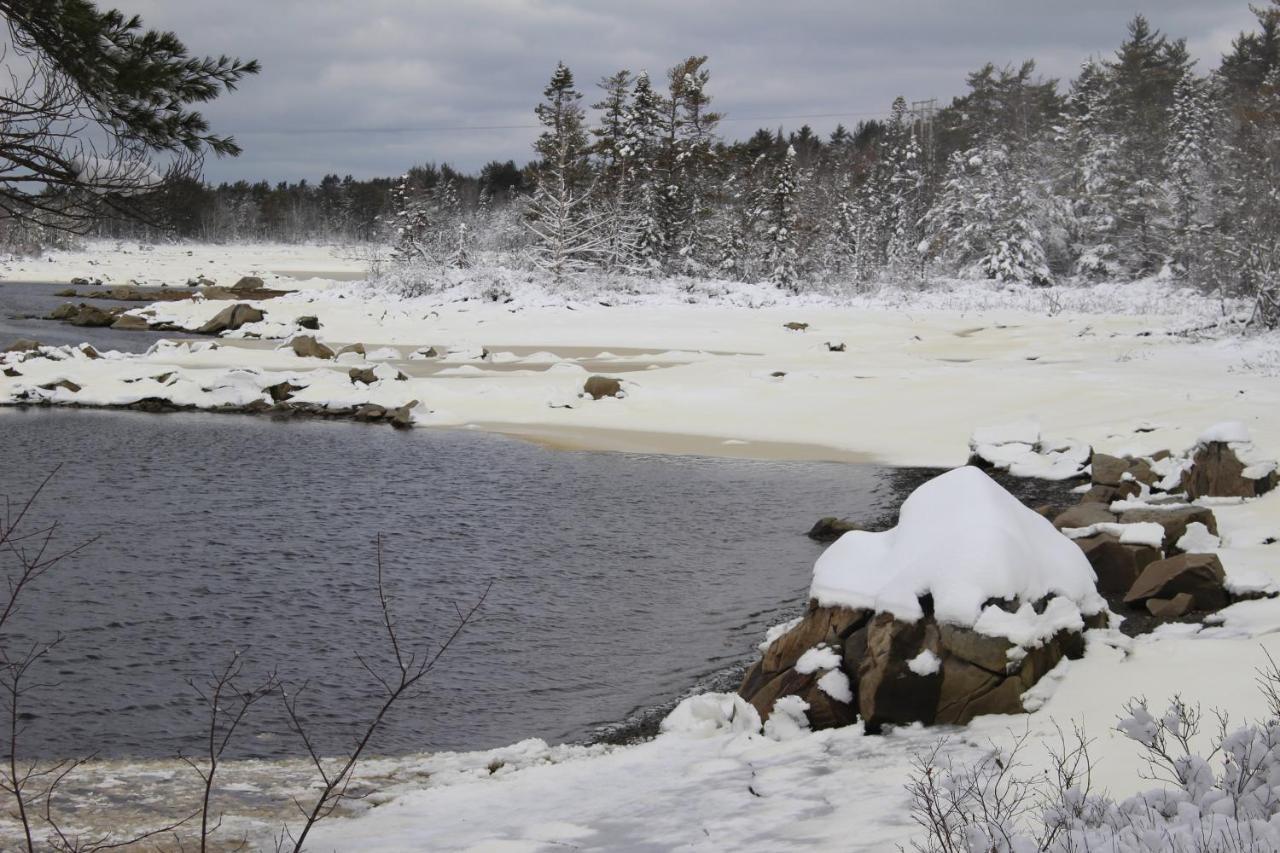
[1143,165]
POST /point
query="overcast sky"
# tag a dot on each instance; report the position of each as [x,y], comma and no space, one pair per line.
[373,86]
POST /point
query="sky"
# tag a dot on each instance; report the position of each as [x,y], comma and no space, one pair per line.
[372,87]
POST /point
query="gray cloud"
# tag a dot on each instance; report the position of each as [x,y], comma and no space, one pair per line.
[377,67]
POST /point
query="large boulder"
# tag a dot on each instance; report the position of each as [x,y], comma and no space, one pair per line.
[248,282]
[1174,520]
[231,318]
[1199,575]
[1116,564]
[602,386]
[305,346]
[1217,471]
[92,316]
[956,612]
[1115,470]
[65,311]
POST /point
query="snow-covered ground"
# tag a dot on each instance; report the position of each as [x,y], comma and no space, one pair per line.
[704,373]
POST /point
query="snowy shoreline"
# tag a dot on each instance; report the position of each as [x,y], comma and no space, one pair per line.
[909,389]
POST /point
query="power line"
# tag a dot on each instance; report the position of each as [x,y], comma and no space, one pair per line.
[462,128]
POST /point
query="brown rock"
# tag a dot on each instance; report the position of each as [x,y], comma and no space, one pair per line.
[91,316]
[1117,566]
[830,528]
[835,347]
[602,386]
[1100,493]
[820,625]
[370,412]
[1171,608]
[308,322]
[1108,470]
[249,282]
[89,351]
[69,293]
[231,318]
[356,348]
[1199,575]
[989,653]
[1084,515]
[305,346]
[366,375]
[1216,471]
[1174,521]
[61,383]
[888,691]
[282,391]
[402,418]
[795,327]
[24,345]
[65,311]
[131,323]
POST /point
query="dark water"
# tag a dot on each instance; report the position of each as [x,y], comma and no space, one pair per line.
[619,581]
[21,306]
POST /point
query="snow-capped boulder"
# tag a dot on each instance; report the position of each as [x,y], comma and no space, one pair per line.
[1174,519]
[954,613]
[1020,449]
[231,318]
[1225,463]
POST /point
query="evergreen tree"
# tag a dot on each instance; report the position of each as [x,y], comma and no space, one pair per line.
[779,220]
[567,231]
[1187,166]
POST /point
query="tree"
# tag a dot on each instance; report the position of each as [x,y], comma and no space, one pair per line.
[567,230]
[100,112]
[779,220]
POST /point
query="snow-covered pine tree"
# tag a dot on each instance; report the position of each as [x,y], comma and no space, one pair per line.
[643,207]
[1089,177]
[568,234]
[1187,165]
[410,224]
[906,207]
[779,221]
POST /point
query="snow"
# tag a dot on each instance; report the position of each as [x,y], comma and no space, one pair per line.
[836,685]
[788,720]
[964,540]
[1139,533]
[1228,432]
[1198,540]
[925,663]
[1025,432]
[819,657]
[914,386]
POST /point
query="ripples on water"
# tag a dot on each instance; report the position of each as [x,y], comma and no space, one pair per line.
[620,581]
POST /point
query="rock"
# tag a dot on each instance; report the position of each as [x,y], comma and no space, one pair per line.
[402,418]
[602,386]
[24,345]
[131,323]
[308,322]
[369,412]
[1171,608]
[835,347]
[79,281]
[1100,493]
[201,281]
[888,690]
[1216,471]
[61,383]
[830,625]
[428,352]
[1084,515]
[65,311]
[305,346]
[778,374]
[249,282]
[282,391]
[1111,470]
[795,327]
[1199,575]
[830,528]
[231,318]
[92,316]
[367,376]
[220,293]
[12,372]
[89,351]
[1174,521]
[1117,566]
[68,293]
[358,349]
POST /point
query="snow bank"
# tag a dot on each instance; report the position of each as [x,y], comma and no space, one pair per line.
[964,540]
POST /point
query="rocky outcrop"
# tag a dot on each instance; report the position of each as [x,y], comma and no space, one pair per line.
[902,672]
[602,386]
[231,318]
[1217,471]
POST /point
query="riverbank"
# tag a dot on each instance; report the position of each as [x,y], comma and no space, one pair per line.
[901,384]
